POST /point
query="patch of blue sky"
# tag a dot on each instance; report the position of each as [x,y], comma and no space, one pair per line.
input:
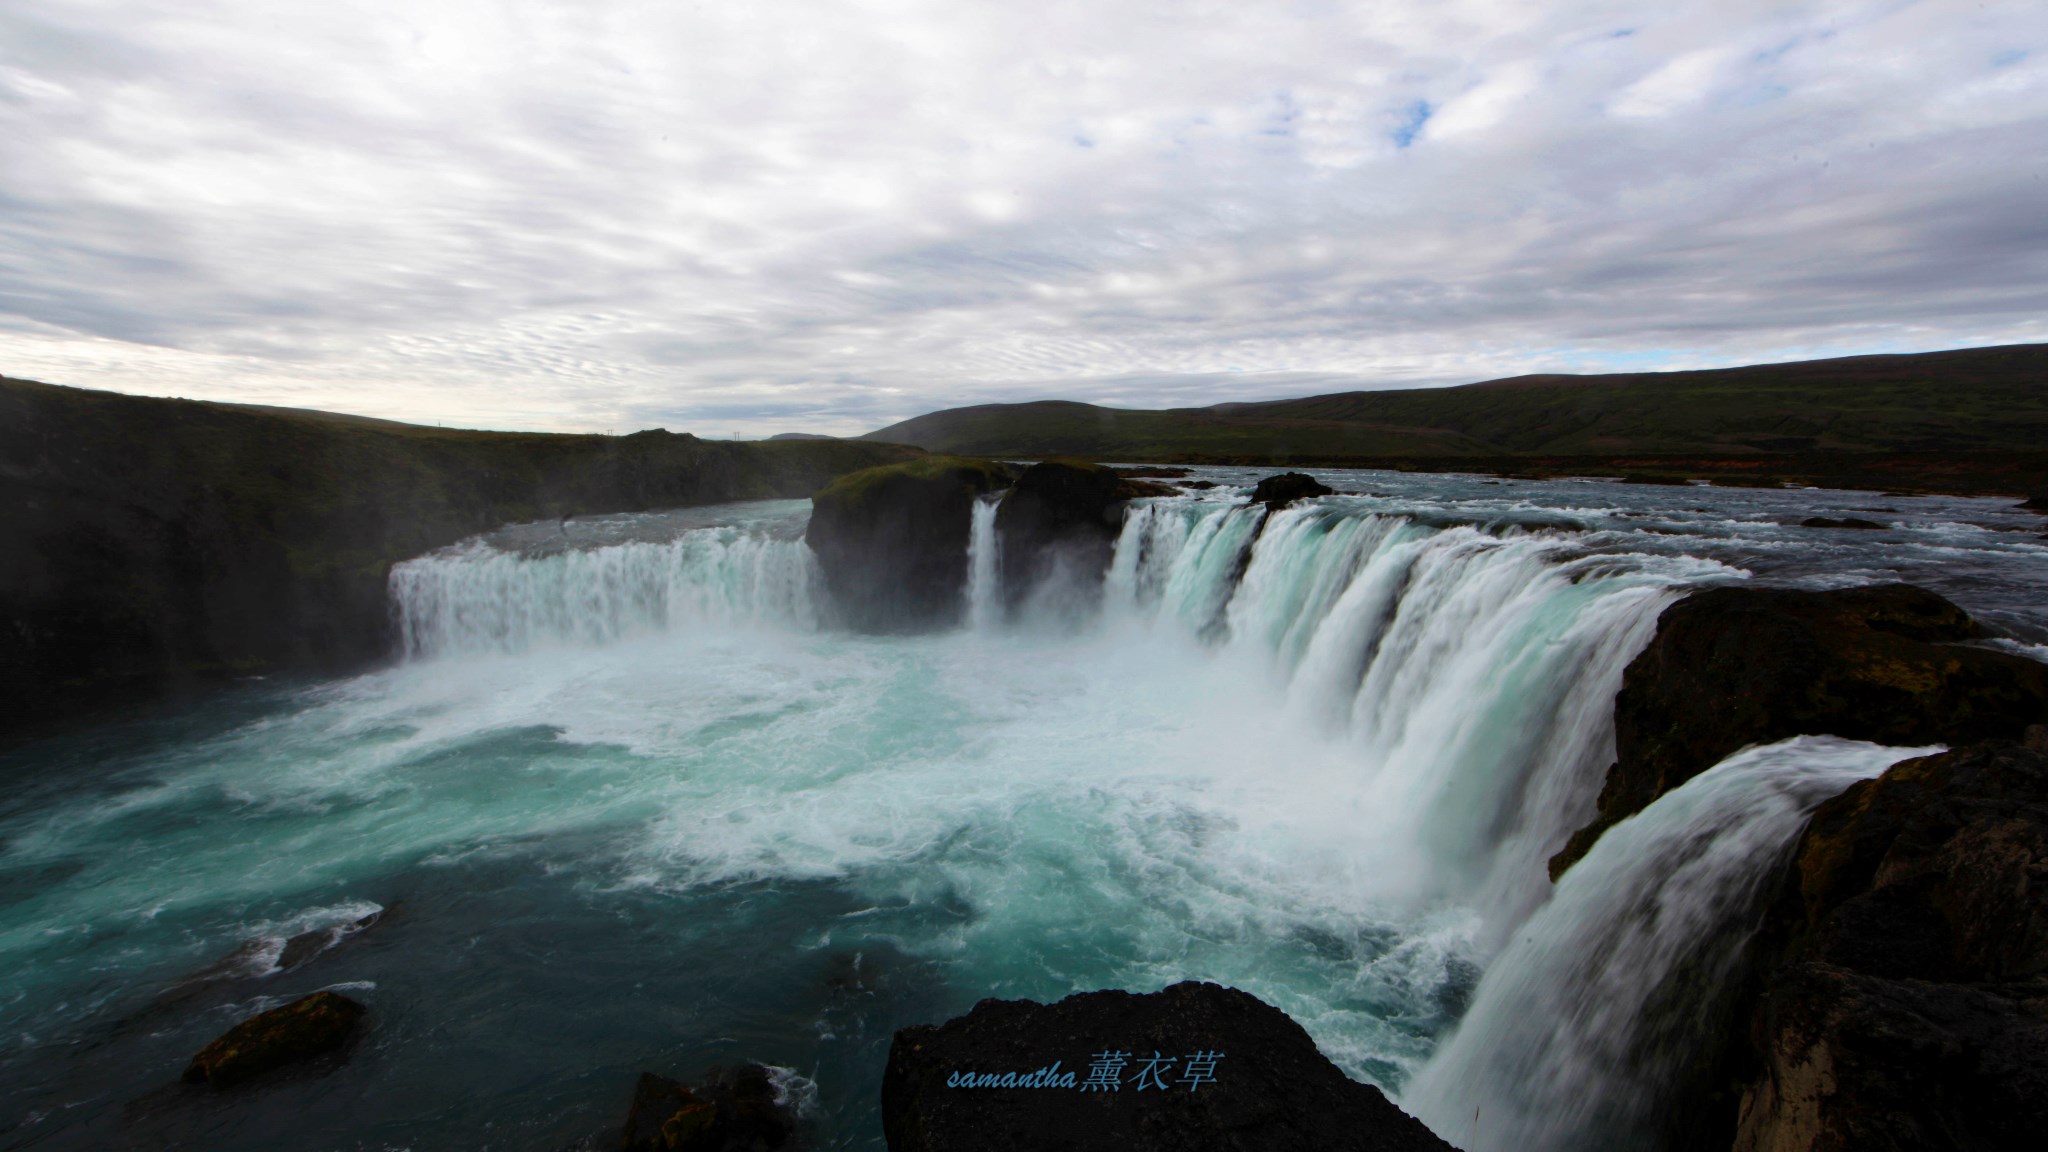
[2010,57]
[1281,122]
[1418,115]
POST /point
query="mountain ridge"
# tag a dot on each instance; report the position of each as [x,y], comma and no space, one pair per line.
[1967,400]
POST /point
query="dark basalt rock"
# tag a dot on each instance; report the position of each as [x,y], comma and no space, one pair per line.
[1905,1001]
[1279,491]
[2035,503]
[313,1026]
[1271,1089]
[1844,522]
[1735,666]
[1198,485]
[892,541]
[307,945]
[735,1111]
[1060,523]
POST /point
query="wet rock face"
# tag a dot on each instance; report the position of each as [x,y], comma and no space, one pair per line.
[1060,524]
[738,1110]
[315,1025]
[1905,1004]
[1279,491]
[892,541]
[1844,522]
[1264,1085]
[1736,666]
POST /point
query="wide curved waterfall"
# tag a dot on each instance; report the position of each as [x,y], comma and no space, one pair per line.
[633,789]
[1468,672]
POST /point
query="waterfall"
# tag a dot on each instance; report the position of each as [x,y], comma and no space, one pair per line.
[984,567]
[476,598]
[1580,1028]
[1472,673]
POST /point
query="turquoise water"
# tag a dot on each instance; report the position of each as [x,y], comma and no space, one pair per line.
[632,803]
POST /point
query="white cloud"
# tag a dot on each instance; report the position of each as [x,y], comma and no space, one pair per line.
[751,218]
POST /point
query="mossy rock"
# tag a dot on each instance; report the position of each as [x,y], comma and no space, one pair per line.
[860,493]
[892,541]
[313,1026]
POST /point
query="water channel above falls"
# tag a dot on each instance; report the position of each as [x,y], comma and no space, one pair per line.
[636,804]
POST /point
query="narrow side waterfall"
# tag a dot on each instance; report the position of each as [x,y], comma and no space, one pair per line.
[1579,1029]
[476,598]
[984,566]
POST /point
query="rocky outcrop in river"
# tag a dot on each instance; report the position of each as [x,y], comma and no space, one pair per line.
[1195,1068]
[892,541]
[1277,492]
[1735,666]
[734,1110]
[1060,524]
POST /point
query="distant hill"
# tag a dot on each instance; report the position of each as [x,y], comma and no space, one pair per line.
[1969,400]
[801,436]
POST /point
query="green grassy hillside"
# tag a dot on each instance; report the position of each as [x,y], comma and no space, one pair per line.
[1972,400]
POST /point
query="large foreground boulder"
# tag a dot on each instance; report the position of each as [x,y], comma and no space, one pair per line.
[1195,1068]
[892,541]
[1735,666]
[315,1025]
[1905,1001]
[1060,524]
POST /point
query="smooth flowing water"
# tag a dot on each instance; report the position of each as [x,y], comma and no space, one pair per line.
[630,802]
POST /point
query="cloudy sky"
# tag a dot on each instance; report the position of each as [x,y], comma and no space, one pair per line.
[744,218]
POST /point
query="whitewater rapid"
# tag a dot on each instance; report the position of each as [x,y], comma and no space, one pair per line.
[636,792]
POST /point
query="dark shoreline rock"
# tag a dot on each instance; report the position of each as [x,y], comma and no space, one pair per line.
[312,1026]
[736,1110]
[892,541]
[1735,666]
[1060,523]
[1271,1087]
[1905,1000]
[1277,492]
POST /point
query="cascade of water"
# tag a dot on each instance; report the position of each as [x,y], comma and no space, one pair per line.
[984,566]
[1472,673]
[1580,1028]
[475,598]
